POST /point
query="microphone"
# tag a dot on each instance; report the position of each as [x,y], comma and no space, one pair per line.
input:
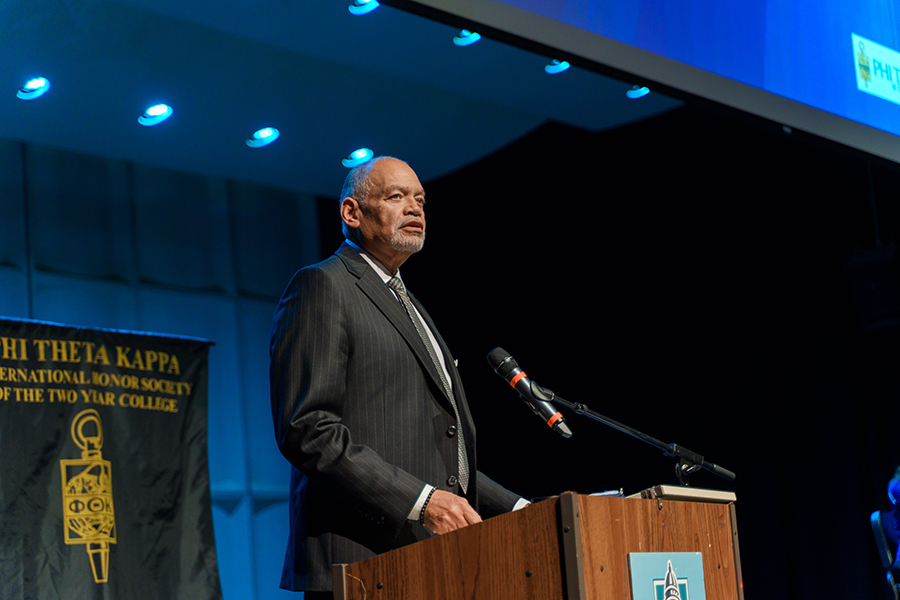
[534,395]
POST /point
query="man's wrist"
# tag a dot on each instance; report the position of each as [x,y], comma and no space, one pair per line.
[418,509]
[424,506]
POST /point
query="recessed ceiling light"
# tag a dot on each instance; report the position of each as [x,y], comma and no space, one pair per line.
[556,66]
[362,7]
[357,157]
[466,38]
[637,92]
[35,88]
[263,137]
[155,115]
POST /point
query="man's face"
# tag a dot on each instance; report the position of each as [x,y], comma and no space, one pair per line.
[392,221]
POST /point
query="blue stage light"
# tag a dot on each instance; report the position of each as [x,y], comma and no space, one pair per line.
[263,137]
[362,7]
[466,38]
[155,115]
[357,157]
[35,88]
[637,92]
[556,66]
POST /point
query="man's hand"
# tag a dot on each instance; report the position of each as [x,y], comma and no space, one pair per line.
[446,512]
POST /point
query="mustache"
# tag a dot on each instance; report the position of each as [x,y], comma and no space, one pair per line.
[412,220]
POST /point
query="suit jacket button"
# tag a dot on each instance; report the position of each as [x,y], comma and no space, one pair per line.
[451,431]
[451,480]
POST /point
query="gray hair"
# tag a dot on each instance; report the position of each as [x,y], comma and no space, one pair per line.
[357,185]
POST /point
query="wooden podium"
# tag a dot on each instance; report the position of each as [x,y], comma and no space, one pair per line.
[570,547]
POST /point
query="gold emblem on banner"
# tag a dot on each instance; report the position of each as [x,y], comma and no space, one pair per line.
[87,494]
[862,61]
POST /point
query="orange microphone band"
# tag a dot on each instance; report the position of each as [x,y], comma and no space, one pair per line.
[516,379]
[554,419]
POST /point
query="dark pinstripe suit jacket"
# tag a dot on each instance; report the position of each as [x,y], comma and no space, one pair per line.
[362,416]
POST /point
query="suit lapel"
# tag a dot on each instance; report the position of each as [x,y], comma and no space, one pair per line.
[458,392]
[380,294]
[467,423]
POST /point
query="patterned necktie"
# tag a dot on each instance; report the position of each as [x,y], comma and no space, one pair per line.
[397,285]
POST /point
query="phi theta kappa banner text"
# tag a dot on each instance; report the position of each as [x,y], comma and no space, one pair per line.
[104,485]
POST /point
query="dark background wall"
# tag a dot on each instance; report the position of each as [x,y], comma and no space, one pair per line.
[708,282]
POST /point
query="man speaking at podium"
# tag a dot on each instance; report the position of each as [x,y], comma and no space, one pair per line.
[367,402]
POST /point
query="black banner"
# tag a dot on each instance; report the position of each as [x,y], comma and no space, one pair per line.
[104,485]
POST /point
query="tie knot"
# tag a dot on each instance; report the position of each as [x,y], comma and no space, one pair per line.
[396,284]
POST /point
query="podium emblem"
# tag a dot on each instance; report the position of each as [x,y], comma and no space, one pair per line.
[670,588]
[666,576]
[88,514]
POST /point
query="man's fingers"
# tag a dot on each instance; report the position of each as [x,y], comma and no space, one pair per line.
[447,512]
[472,517]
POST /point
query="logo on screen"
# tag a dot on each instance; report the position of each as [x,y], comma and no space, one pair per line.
[877,69]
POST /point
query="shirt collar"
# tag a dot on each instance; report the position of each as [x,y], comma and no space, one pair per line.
[373,262]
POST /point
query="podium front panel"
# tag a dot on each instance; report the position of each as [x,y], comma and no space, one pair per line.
[515,556]
[614,527]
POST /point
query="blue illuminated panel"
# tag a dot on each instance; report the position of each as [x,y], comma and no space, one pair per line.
[796,49]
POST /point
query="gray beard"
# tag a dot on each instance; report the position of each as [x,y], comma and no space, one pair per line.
[407,243]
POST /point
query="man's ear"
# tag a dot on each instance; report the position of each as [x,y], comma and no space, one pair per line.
[350,212]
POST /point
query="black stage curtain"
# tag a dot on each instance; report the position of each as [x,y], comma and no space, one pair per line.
[709,282]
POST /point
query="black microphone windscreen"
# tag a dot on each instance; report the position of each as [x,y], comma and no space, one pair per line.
[501,362]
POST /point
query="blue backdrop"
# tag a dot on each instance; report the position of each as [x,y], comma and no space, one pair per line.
[801,50]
